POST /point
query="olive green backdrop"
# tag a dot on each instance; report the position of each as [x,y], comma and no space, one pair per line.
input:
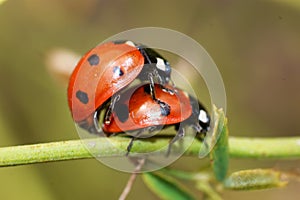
[255,44]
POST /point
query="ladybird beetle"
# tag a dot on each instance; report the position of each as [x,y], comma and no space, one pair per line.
[141,113]
[106,70]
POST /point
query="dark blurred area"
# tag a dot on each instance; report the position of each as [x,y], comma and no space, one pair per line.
[255,44]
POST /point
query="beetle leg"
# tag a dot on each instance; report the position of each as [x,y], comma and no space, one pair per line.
[96,121]
[107,118]
[132,140]
[197,127]
[180,134]
[91,124]
[168,90]
[162,83]
[129,146]
[164,106]
[201,133]
[152,92]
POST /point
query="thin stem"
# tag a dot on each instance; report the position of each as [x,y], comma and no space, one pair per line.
[285,148]
[131,180]
[280,147]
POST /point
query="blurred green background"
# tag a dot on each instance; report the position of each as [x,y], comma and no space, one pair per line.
[255,44]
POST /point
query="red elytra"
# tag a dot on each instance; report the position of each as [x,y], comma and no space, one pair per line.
[100,73]
[137,110]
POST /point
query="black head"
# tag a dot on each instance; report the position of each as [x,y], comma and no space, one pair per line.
[160,64]
[200,114]
[204,119]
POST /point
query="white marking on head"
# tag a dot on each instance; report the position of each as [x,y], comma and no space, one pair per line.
[160,64]
[130,43]
[203,116]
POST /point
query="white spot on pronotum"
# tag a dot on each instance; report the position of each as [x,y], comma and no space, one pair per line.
[130,43]
[203,116]
[160,64]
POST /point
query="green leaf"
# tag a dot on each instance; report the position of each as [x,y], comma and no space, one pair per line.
[208,190]
[166,187]
[201,179]
[254,179]
[184,175]
[220,153]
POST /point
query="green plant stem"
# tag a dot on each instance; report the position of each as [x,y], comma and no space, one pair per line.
[277,148]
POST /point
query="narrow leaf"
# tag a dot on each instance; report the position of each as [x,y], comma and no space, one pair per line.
[208,191]
[165,187]
[254,179]
[220,153]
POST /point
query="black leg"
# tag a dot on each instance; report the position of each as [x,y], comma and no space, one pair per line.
[180,134]
[168,90]
[132,140]
[197,127]
[152,92]
[164,106]
[91,124]
[96,121]
[129,146]
[200,132]
[110,109]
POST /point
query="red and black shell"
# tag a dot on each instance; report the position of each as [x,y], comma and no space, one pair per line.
[137,110]
[106,70]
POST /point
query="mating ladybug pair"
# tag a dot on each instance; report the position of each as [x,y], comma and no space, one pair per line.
[102,81]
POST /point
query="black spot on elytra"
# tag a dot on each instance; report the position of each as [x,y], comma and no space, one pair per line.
[82,96]
[118,71]
[164,109]
[94,60]
[122,112]
[147,89]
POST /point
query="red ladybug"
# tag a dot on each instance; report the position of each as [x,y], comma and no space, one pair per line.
[107,69]
[137,111]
